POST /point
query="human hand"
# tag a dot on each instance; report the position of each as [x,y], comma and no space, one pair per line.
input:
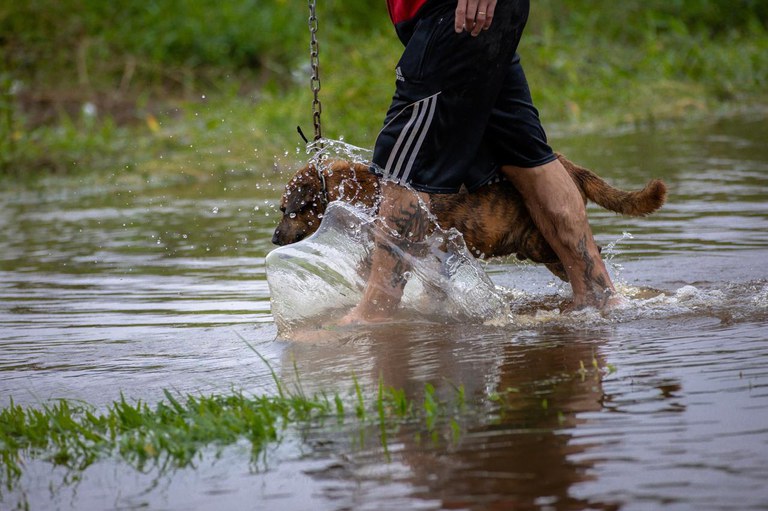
[474,16]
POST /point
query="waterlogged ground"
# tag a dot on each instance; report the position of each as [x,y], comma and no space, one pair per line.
[132,290]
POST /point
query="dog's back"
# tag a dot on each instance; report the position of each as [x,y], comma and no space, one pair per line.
[493,220]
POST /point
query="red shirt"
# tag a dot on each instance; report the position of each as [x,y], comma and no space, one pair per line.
[403,10]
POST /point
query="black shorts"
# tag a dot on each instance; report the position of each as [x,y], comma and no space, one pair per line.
[462,107]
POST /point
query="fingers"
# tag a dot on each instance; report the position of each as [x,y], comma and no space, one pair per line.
[489,10]
[461,16]
[474,15]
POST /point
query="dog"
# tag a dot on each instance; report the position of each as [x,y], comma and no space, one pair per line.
[493,219]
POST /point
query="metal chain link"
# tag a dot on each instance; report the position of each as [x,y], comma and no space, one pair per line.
[314,61]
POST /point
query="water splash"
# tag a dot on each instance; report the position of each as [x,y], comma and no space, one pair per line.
[319,279]
[316,280]
[337,149]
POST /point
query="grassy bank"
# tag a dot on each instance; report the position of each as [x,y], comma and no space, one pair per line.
[203,87]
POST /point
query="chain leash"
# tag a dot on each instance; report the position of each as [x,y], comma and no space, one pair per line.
[314,61]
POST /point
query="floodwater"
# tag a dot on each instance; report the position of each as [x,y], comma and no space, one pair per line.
[118,290]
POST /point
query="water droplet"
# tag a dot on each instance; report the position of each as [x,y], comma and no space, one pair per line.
[89,109]
[292,215]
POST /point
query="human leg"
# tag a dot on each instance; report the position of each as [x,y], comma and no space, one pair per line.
[558,211]
[519,143]
[433,134]
[404,221]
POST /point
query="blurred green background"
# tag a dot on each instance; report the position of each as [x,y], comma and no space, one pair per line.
[149,87]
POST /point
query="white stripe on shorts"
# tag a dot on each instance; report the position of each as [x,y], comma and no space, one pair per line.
[411,138]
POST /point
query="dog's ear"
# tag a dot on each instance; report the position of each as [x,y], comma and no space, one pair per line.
[302,191]
[299,197]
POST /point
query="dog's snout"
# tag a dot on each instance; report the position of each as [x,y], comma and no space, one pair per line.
[285,235]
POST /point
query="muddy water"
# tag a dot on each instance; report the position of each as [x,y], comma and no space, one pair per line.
[124,289]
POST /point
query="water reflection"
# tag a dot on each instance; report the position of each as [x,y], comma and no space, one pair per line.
[525,396]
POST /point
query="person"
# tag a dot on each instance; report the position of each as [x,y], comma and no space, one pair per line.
[461,114]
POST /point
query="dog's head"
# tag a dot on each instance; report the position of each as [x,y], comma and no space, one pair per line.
[309,191]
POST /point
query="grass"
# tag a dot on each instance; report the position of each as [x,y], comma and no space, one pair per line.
[224,86]
[173,433]
[178,431]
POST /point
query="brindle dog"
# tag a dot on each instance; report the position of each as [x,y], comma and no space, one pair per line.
[493,219]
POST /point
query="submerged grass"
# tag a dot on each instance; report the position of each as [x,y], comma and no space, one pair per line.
[178,431]
[173,433]
[75,435]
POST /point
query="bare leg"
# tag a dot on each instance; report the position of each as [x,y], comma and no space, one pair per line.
[558,211]
[402,213]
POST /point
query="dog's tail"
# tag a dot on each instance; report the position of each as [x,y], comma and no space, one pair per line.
[636,203]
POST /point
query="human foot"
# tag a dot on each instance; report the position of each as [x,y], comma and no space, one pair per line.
[604,302]
[361,315]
